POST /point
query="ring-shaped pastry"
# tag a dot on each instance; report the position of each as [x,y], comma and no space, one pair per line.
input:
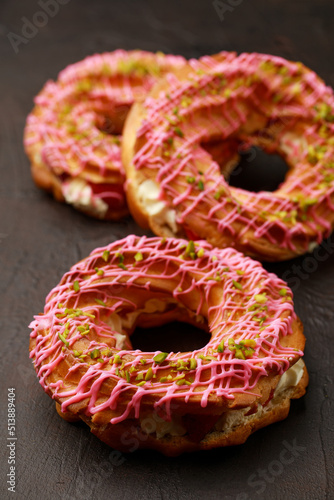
[74,133]
[241,380]
[176,187]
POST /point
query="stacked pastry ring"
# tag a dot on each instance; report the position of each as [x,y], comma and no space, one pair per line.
[243,379]
[73,134]
[175,186]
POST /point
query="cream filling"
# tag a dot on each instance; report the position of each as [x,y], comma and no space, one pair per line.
[154,423]
[229,419]
[79,193]
[290,378]
[312,246]
[120,323]
[148,193]
[125,323]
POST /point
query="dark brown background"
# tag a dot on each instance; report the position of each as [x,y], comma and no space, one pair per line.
[40,239]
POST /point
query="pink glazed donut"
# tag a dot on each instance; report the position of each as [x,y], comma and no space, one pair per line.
[240,381]
[74,133]
[175,185]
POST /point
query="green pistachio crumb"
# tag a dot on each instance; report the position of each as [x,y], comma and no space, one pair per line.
[239,354]
[159,358]
[237,285]
[149,374]
[192,363]
[260,298]
[106,255]
[96,353]
[138,257]
[221,346]
[200,252]
[178,132]
[100,302]
[190,179]
[63,339]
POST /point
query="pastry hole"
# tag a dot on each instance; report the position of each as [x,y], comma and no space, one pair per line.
[171,337]
[258,171]
[112,124]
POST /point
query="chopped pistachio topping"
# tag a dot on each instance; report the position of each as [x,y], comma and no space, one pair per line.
[200,252]
[99,272]
[190,179]
[96,353]
[201,185]
[149,374]
[260,298]
[239,354]
[245,348]
[76,286]
[219,193]
[237,285]
[141,383]
[83,329]
[283,292]
[190,250]
[63,339]
[178,132]
[100,302]
[248,342]
[221,346]
[121,261]
[140,376]
[192,363]
[159,358]
[138,257]
[106,255]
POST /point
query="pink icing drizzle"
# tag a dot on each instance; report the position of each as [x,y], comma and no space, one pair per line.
[226,93]
[63,128]
[239,314]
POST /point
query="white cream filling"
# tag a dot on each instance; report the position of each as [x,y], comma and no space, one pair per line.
[125,323]
[290,378]
[148,193]
[229,419]
[79,193]
[312,246]
[120,340]
[154,423]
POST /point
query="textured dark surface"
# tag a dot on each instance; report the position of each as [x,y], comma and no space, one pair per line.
[40,240]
